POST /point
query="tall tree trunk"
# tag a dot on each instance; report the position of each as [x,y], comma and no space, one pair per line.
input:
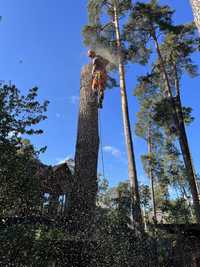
[180,114]
[196,11]
[182,127]
[151,176]
[187,198]
[182,135]
[136,210]
[82,200]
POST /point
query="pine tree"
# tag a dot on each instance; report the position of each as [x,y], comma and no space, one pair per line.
[107,39]
[148,21]
[181,44]
[82,200]
[148,95]
[162,163]
[151,174]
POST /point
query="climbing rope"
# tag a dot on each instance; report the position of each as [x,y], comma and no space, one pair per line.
[101,144]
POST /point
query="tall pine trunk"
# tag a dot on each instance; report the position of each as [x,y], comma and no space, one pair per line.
[183,141]
[82,201]
[196,11]
[136,210]
[151,175]
[182,127]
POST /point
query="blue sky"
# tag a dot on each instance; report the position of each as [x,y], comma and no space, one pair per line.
[46,36]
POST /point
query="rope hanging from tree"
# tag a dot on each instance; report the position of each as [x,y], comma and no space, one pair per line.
[101,144]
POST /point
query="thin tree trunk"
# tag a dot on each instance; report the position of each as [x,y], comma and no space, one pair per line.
[82,199]
[180,115]
[196,11]
[182,136]
[144,218]
[151,176]
[182,126]
[186,197]
[136,210]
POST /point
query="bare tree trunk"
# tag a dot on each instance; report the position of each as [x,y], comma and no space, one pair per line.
[178,120]
[196,11]
[151,176]
[180,115]
[82,200]
[136,210]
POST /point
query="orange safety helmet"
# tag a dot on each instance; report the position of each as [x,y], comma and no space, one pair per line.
[91,53]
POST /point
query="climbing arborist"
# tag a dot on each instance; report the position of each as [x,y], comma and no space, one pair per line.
[99,75]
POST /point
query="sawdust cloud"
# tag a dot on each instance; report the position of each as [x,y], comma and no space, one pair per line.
[111,57]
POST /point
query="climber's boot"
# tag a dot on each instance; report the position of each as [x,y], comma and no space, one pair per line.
[100,99]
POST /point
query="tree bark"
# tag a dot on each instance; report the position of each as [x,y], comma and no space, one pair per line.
[151,176]
[136,210]
[82,200]
[196,11]
[179,123]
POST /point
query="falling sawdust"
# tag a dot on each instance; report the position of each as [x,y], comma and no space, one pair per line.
[105,53]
